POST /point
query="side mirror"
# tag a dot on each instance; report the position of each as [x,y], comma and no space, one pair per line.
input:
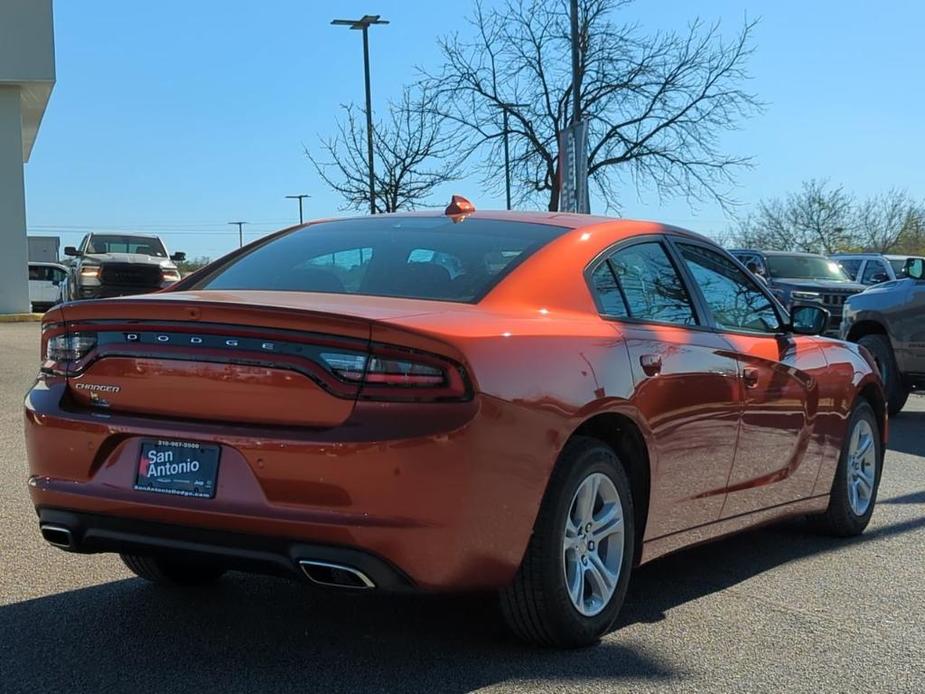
[71,251]
[915,268]
[178,257]
[806,319]
[879,278]
[56,283]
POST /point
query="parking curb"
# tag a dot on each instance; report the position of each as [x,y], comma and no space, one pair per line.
[20,317]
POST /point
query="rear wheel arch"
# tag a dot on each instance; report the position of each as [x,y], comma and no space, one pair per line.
[624,436]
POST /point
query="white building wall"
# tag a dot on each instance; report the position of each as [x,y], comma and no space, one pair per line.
[27,75]
[14,249]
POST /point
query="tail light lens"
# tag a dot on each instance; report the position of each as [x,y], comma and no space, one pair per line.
[62,348]
[388,374]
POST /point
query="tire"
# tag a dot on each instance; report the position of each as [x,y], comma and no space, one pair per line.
[896,390]
[172,571]
[537,605]
[843,518]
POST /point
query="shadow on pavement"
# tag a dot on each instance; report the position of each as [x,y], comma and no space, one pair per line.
[264,634]
[907,433]
[260,634]
[688,575]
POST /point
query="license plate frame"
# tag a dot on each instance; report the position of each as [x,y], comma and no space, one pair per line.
[178,468]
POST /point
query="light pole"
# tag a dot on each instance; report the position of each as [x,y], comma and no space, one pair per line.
[364,23]
[299,198]
[505,106]
[240,232]
[576,65]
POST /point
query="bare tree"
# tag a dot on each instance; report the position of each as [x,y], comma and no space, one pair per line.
[656,104]
[817,219]
[412,151]
[883,220]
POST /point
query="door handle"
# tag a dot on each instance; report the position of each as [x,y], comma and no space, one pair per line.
[750,377]
[651,364]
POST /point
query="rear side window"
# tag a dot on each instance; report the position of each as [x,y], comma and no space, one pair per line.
[608,293]
[647,284]
[412,257]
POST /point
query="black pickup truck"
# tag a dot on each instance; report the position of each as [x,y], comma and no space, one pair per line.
[889,320]
[803,278]
[107,265]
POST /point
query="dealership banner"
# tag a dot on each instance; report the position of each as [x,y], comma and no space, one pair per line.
[573,169]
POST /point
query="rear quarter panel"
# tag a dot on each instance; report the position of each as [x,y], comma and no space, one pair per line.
[539,379]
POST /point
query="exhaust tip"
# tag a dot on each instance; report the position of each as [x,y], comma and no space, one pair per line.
[335,575]
[57,535]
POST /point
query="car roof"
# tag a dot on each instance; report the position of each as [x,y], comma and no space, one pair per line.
[548,277]
[46,263]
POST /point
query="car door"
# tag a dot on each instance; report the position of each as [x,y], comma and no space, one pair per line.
[686,383]
[777,458]
[907,326]
[57,277]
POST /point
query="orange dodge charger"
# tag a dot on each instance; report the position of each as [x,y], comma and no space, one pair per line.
[527,403]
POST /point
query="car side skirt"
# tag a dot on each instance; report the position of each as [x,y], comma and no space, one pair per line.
[660,546]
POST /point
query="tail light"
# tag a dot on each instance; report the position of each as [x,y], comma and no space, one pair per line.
[69,347]
[383,373]
[393,374]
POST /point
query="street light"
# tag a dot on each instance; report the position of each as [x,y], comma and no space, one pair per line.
[363,24]
[299,198]
[240,232]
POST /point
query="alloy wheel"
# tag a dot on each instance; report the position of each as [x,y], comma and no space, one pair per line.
[862,467]
[592,548]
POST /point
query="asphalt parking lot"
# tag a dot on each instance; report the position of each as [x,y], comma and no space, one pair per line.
[771,610]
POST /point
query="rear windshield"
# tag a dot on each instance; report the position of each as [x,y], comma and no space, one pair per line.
[806,267]
[111,243]
[413,257]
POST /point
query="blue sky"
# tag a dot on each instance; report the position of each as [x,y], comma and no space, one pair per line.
[177,117]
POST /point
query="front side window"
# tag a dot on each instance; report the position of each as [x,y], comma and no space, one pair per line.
[650,285]
[734,299]
[410,257]
[875,271]
[850,266]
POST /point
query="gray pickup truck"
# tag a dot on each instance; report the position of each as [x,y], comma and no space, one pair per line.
[889,320]
[106,265]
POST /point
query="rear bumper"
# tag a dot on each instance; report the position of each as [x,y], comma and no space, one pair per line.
[449,507]
[89,533]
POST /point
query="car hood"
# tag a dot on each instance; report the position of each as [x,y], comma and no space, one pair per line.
[873,295]
[132,258]
[799,283]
